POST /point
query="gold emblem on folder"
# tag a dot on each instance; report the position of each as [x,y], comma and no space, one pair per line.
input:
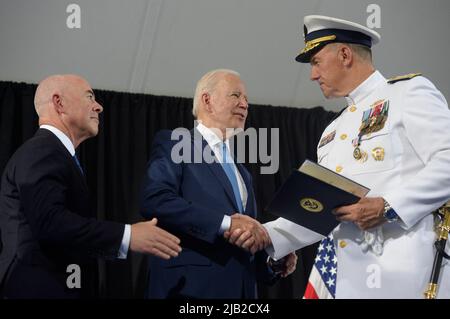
[311,205]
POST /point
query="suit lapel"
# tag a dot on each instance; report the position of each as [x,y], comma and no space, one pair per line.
[64,150]
[79,173]
[215,167]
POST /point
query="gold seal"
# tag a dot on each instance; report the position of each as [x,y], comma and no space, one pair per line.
[311,205]
[378,153]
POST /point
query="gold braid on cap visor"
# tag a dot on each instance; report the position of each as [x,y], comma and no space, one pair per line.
[314,43]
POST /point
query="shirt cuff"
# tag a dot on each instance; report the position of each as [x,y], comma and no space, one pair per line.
[123,251]
[226,224]
[288,237]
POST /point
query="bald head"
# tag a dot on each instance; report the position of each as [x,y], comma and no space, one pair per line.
[68,103]
[53,85]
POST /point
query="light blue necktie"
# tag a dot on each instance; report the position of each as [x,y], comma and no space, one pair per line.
[227,164]
[75,158]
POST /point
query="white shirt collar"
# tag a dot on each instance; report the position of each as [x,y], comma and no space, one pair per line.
[365,88]
[62,137]
[215,143]
[211,138]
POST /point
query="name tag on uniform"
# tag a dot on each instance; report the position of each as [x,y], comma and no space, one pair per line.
[327,139]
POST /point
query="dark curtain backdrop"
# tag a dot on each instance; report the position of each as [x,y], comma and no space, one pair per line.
[115,161]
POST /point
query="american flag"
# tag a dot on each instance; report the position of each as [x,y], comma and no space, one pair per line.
[322,280]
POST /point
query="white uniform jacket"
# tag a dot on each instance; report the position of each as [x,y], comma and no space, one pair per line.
[411,171]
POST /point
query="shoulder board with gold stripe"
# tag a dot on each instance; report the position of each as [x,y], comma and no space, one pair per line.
[402,77]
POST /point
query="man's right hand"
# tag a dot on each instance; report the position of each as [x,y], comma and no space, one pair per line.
[147,238]
[247,233]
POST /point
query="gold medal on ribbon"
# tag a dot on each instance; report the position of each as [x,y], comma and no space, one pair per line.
[357,153]
[378,153]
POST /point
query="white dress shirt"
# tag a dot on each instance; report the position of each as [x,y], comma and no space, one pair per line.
[215,143]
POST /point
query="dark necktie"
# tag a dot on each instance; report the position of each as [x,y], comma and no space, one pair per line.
[75,158]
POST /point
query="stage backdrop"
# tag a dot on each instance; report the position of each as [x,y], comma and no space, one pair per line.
[115,161]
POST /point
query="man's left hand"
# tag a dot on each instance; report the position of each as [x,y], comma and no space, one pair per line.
[285,266]
[367,213]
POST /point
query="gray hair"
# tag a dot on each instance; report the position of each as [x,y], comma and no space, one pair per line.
[207,83]
[361,51]
[364,52]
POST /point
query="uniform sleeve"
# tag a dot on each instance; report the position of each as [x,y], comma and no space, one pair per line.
[426,120]
[288,237]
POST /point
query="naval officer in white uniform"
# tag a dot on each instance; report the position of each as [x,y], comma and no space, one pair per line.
[394,138]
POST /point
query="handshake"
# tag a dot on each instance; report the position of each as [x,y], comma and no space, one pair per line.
[247,233]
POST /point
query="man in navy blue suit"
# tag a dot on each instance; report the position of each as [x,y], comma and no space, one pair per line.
[46,219]
[204,201]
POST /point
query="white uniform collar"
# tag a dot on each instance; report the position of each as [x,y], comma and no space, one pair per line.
[365,88]
[62,137]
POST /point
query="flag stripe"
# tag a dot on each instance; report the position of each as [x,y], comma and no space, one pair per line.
[310,293]
[322,280]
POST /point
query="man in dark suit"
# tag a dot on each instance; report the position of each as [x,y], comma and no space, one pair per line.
[198,192]
[48,231]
